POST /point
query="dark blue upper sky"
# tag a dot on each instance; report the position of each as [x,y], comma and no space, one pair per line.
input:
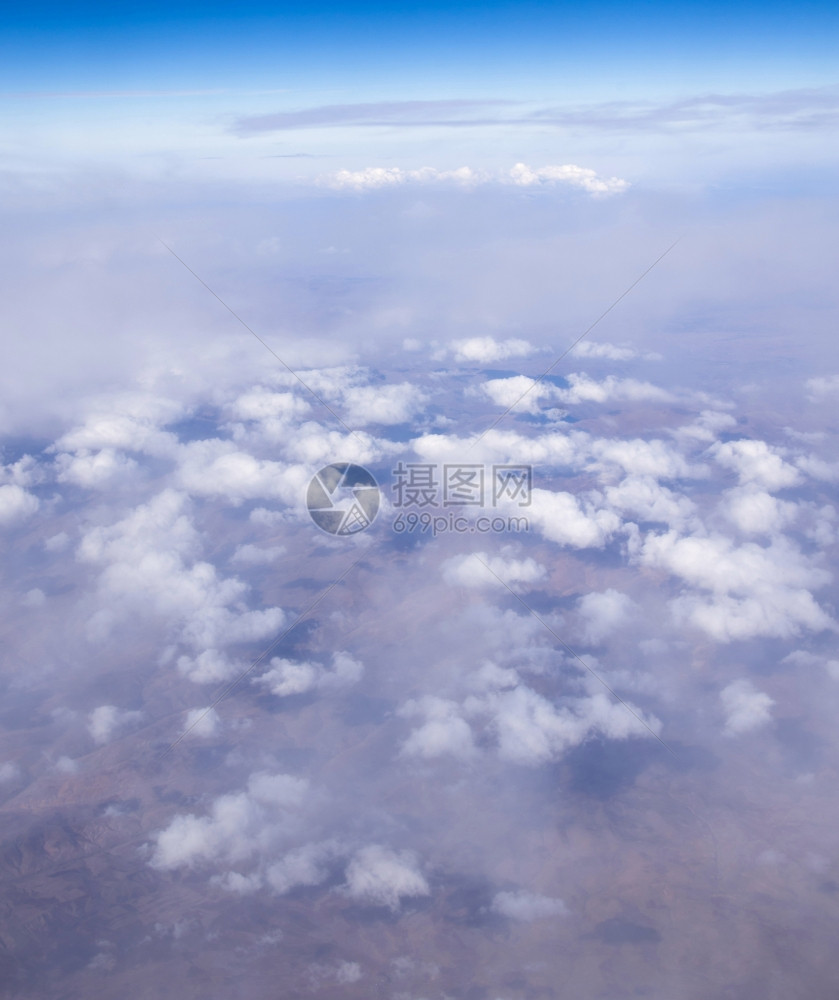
[590,48]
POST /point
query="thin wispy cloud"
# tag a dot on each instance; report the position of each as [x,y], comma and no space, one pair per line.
[804,108]
[449,112]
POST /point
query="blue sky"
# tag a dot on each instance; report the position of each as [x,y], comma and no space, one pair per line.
[156,88]
[502,47]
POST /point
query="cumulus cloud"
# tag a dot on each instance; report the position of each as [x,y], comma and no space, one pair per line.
[106,721]
[16,504]
[149,564]
[568,520]
[467,571]
[94,470]
[520,175]
[238,824]
[289,677]
[582,177]
[803,658]
[756,512]
[565,448]
[745,707]
[487,349]
[531,730]
[24,472]
[207,667]
[371,178]
[348,972]
[705,428]
[637,457]
[217,468]
[818,468]
[269,407]
[520,393]
[202,721]
[125,422]
[9,771]
[384,877]
[644,498]
[756,590]
[604,612]
[756,463]
[607,351]
[527,906]
[822,386]
[523,394]
[256,554]
[444,731]
[304,866]
[583,389]
[387,404]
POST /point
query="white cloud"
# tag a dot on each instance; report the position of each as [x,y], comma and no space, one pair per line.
[564,448]
[780,613]
[106,721]
[745,707]
[756,512]
[487,349]
[149,568]
[304,866]
[717,564]
[467,571]
[583,389]
[94,470]
[801,658]
[706,427]
[276,409]
[818,468]
[642,458]
[756,463]
[372,178]
[384,877]
[238,825]
[125,422]
[520,393]
[386,404]
[604,612]
[644,498]
[256,554]
[218,468]
[57,542]
[582,177]
[9,771]
[527,906]
[207,667]
[603,349]
[822,386]
[66,765]
[531,730]
[443,732]
[16,504]
[573,521]
[24,472]
[202,721]
[348,972]
[756,590]
[288,677]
